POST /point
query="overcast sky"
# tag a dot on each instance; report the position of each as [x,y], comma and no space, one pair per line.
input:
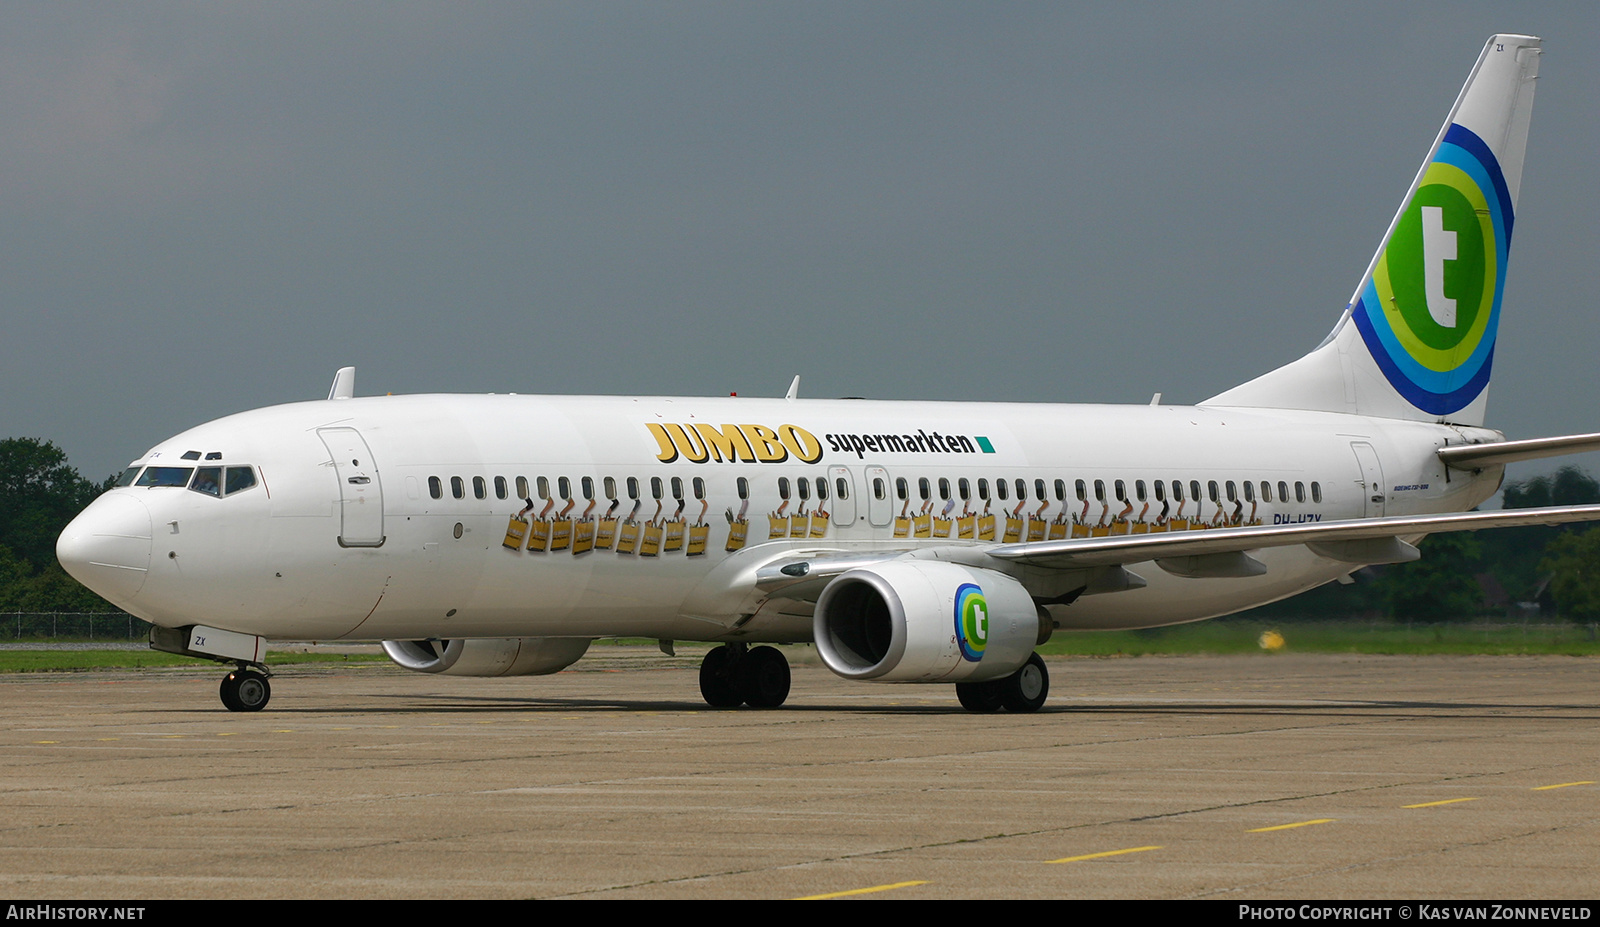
[210,207]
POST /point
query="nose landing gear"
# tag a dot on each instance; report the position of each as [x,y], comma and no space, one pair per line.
[246,689]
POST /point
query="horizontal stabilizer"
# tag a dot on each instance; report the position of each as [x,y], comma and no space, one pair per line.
[1478,456]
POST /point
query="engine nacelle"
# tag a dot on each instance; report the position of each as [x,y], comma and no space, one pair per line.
[925,621]
[511,656]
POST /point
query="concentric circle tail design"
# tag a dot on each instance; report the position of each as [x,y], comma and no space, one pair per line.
[1431,309]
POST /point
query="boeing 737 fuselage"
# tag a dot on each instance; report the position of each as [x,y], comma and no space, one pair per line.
[911,541]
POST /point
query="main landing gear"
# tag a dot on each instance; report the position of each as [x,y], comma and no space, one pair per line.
[246,689]
[1021,692]
[734,675]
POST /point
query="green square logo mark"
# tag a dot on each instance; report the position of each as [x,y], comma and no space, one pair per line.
[984,443]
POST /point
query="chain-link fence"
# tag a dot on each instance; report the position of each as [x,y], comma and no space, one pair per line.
[75,626]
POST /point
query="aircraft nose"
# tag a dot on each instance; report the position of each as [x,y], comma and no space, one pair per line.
[107,547]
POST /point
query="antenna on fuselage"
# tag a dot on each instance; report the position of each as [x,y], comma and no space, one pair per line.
[344,384]
[794,389]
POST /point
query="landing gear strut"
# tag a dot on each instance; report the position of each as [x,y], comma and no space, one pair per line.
[734,675]
[246,689]
[1021,692]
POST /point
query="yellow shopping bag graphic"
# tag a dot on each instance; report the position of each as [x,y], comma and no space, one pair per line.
[922,525]
[1013,530]
[605,533]
[967,527]
[674,536]
[516,533]
[698,534]
[539,536]
[582,536]
[650,544]
[986,527]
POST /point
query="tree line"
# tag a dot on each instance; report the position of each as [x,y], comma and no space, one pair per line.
[1462,575]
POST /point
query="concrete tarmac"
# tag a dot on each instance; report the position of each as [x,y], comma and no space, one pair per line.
[1232,778]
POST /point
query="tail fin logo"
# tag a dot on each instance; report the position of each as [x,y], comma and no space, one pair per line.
[1431,308]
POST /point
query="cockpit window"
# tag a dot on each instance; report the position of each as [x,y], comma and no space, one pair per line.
[127,477]
[240,479]
[165,476]
[208,480]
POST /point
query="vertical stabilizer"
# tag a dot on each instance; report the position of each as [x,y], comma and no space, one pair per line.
[1417,339]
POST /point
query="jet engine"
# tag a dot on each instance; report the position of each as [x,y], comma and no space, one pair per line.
[510,656]
[926,621]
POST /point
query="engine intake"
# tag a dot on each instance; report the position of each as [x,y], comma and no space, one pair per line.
[926,621]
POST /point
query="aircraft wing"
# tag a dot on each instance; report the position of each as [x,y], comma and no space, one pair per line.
[1366,540]
[1477,456]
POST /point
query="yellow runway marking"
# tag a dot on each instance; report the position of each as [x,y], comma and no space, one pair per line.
[1077,859]
[1262,830]
[1435,804]
[861,891]
[1541,788]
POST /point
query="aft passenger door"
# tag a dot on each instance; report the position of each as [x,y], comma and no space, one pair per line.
[880,508]
[844,496]
[360,492]
[1373,496]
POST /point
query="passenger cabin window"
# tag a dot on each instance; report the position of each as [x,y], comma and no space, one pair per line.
[1038,489]
[1177,490]
[1161,491]
[1022,490]
[1082,492]
[588,487]
[611,487]
[544,487]
[1233,492]
[1100,490]
[1061,490]
[983,489]
[1121,490]
[822,488]
[805,488]
[1283,491]
[925,488]
[879,491]
[1211,490]
[435,488]
[655,487]
[633,487]
[964,487]
[901,489]
[677,488]
[843,487]
[458,487]
[1316,492]
[480,489]
[565,486]
[699,487]
[783,487]
[744,488]
[522,487]
[1299,491]
[1000,490]
[944,489]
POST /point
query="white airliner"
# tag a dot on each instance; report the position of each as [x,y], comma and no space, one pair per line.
[929,542]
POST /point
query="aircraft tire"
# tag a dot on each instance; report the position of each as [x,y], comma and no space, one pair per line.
[245,690]
[717,684]
[763,677]
[1026,689]
[980,697]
